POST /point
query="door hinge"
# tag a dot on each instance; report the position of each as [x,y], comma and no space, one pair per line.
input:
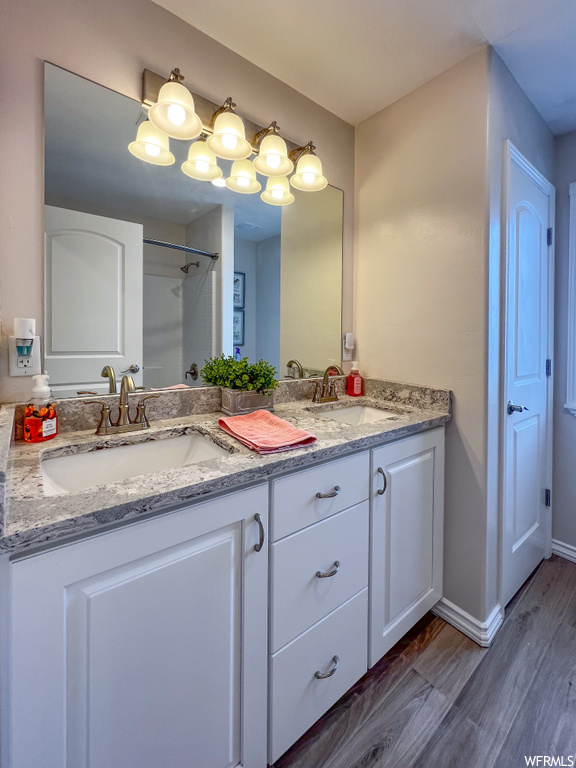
[548,367]
[547,497]
[549,235]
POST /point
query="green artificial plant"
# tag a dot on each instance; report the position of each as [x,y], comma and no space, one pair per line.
[240,374]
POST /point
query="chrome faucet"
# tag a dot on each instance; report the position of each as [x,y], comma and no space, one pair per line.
[298,366]
[108,373]
[124,423]
[326,392]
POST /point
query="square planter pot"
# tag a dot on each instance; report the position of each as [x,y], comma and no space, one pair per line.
[238,401]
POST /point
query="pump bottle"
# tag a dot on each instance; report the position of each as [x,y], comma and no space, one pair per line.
[40,419]
[354,382]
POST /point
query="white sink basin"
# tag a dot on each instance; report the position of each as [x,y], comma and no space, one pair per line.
[357,414]
[67,474]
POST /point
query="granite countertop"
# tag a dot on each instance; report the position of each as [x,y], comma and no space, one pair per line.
[30,518]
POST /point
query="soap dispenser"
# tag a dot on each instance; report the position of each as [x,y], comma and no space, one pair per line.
[354,383]
[40,419]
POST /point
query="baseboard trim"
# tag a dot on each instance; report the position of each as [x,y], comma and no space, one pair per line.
[482,632]
[567,551]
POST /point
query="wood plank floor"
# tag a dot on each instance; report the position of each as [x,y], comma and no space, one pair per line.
[437,700]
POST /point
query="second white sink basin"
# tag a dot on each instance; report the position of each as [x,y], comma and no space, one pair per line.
[357,414]
[67,474]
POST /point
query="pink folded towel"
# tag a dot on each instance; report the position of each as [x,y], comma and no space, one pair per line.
[265,433]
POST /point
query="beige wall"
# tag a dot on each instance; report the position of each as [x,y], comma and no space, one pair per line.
[428,280]
[511,116]
[111,42]
[564,482]
[421,240]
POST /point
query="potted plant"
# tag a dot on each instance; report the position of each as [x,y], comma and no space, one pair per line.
[246,386]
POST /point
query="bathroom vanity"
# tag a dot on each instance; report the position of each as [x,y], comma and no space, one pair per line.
[253,593]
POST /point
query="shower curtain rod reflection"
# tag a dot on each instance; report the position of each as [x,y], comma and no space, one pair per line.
[185,248]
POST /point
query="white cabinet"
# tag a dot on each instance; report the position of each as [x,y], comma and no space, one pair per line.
[144,646]
[318,593]
[147,645]
[406,536]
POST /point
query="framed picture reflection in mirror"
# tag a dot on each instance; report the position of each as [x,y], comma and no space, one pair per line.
[238,328]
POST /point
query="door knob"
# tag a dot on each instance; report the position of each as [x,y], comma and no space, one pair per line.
[133,369]
[511,408]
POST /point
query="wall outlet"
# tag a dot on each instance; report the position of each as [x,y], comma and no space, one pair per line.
[347,349]
[24,366]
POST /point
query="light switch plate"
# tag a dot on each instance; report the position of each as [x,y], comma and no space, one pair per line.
[24,366]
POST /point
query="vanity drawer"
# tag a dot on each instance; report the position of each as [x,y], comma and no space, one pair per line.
[295,504]
[299,597]
[297,697]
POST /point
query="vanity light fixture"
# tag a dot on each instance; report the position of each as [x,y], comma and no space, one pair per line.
[243,178]
[201,163]
[308,176]
[228,139]
[151,145]
[183,115]
[174,111]
[277,191]
[273,157]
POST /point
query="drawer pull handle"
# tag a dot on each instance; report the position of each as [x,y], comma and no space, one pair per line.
[330,495]
[333,572]
[324,675]
[258,518]
[381,491]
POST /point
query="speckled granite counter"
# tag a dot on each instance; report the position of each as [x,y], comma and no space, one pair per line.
[30,518]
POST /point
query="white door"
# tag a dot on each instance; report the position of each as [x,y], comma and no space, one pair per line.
[93,299]
[527,389]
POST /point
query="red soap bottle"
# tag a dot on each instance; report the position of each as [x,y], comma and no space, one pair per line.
[354,382]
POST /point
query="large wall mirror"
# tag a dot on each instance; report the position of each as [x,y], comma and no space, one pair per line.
[275,291]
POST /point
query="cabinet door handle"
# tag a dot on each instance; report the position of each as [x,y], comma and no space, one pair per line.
[333,572]
[258,518]
[323,675]
[330,495]
[381,491]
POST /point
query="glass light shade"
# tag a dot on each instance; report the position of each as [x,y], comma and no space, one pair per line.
[308,176]
[243,178]
[201,163]
[277,191]
[229,138]
[174,112]
[273,159]
[151,145]
[219,182]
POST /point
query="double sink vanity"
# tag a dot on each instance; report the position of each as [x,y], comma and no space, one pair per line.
[171,598]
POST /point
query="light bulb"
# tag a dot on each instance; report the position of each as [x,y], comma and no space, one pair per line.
[229,140]
[219,182]
[273,161]
[152,149]
[278,194]
[176,114]
[203,166]
[243,181]
[308,178]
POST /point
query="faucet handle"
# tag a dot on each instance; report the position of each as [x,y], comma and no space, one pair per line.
[141,410]
[105,423]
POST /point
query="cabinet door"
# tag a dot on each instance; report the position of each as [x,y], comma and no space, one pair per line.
[407,536]
[145,646]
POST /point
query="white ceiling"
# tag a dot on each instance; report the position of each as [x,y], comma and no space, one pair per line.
[356,57]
